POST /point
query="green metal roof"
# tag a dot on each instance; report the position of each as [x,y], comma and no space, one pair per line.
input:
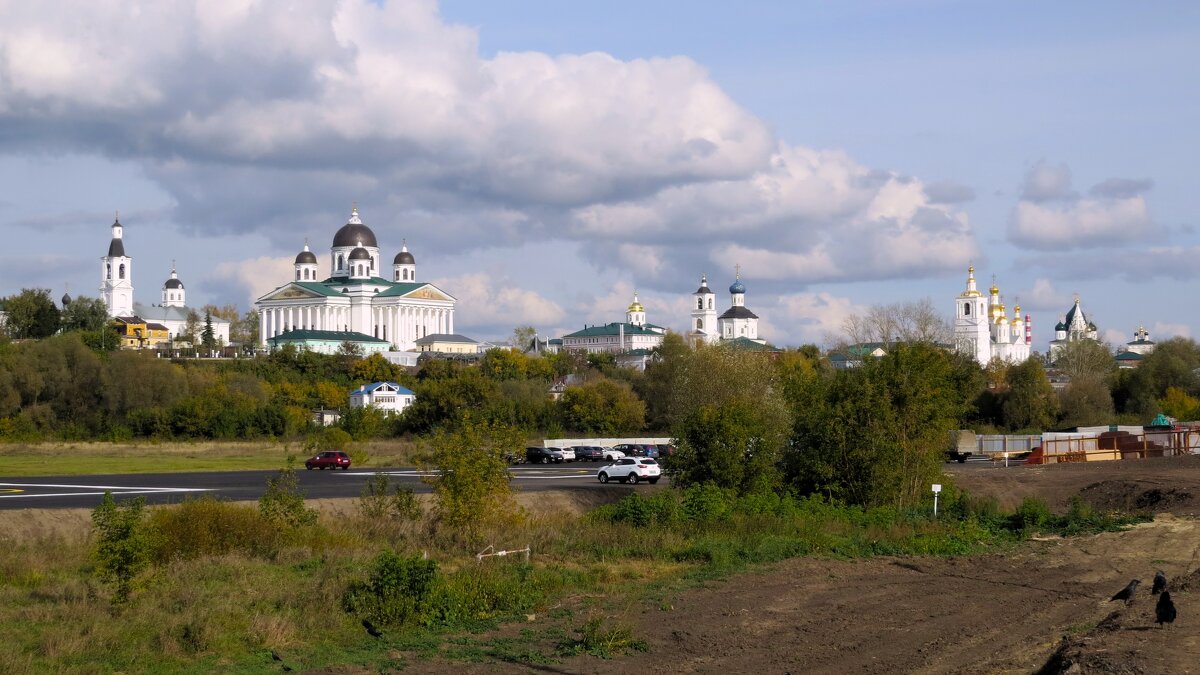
[402,288]
[611,329]
[317,287]
[747,345]
[323,336]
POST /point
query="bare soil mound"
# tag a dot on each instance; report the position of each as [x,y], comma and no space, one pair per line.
[1126,495]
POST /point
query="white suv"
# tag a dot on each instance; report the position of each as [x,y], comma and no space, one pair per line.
[631,470]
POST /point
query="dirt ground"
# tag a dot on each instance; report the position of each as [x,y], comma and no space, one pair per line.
[1044,608]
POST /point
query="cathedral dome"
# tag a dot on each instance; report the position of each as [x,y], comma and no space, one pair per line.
[360,253]
[404,258]
[66,299]
[703,285]
[173,283]
[306,257]
[737,287]
[355,233]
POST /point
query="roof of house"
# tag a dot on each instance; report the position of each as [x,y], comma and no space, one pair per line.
[445,337]
[747,345]
[614,329]
[155,326]
[171,313]
[324,335]
[368,388]
[1129,356]
[738,312]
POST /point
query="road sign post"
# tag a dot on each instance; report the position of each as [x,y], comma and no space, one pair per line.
[936,489]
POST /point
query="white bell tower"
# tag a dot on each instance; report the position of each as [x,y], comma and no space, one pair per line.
[116,274]
[704,314]
[972,324]
[636,314]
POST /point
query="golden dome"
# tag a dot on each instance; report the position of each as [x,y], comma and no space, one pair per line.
[636,306]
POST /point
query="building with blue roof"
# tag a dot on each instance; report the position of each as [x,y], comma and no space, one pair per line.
[387,397]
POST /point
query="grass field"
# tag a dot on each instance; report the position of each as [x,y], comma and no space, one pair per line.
[66,459]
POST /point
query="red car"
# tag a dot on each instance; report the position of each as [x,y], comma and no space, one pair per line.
[333,459]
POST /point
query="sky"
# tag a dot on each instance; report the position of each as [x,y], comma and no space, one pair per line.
[545,159]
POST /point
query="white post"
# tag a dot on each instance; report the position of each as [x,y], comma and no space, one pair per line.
[936,489]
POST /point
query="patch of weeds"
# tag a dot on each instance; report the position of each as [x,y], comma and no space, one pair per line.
[600,638]
[1079,628]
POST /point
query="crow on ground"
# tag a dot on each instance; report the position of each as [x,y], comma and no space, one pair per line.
[1164,611]
[371,629]
[1126,593]
[1160,583]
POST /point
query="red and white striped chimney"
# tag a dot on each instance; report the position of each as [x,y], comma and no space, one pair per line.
[1028,330]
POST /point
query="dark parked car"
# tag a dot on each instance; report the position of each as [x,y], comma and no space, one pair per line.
[591,453]
[535,455]
[332,459]
[630,449]
[665,449]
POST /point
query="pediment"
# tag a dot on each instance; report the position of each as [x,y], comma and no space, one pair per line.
[291,292]
[428,292]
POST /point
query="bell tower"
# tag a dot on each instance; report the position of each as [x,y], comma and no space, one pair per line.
[972,322]
[116,274]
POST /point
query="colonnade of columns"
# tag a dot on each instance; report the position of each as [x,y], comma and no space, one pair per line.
[395,323]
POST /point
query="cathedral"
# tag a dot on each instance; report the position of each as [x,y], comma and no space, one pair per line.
[355,303]
[171,314]
[983,329]
[735,323]
[1073,328]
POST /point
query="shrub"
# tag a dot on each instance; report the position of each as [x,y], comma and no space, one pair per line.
[375,504]
[205,526]
[396,590]
[472,487]
[599,637]
[1031,514]
[283,503]
[123,542]
[705,503]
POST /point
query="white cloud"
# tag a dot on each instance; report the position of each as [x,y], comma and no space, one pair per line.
[255,277]
[1162,330]
[1050,216]
[811,317]
[1044,296]
[257,117]
[491,303]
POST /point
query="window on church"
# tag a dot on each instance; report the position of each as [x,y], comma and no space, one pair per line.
[699,324]
[710,300]
[966,310]
[108,271]
[121,272]
[341,262]
[297,275]
[699,303]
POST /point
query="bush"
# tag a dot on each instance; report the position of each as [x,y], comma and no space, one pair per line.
[662,508]
[205,526]
[705,503]
[283,504]
[396,590]
[123,542]
[1031,514]
[599,637]
[375,504]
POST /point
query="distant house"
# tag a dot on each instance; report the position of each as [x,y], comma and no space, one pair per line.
[852,356]
[137,333]
[388,397]
[447,343]
[325,418]
[560,385]
[328,341]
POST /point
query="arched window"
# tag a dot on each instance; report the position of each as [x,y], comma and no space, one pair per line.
[699,303]
[699,324]
[341,262]
[121,272]
[297,275]
[710,303]
[108,271]
[966,310]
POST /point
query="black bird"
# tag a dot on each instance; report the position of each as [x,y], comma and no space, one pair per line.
[1126,593]
[1164,611]
[371,629]
[1160,583]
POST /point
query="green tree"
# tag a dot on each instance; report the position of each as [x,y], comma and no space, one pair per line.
[1083,358]
[500,363]
[84,314]
[283,503]
[123,544]
[604,407]
[375,368]
[875,435]
[522,337]
[208,338]
[662,376]
[1178,404]
[735,445]
[31,314]
[471,485]
[1030,403]
[1085,402]
[191,328]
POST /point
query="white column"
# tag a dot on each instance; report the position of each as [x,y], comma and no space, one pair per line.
[450,313]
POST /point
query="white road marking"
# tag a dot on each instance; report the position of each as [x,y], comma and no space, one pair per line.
[115,489]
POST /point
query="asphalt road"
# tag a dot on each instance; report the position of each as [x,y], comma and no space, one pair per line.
[56,492]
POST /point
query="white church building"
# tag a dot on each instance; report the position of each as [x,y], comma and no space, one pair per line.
[735,323]
[355,303]
[116,289]
[983,328]
[634,334]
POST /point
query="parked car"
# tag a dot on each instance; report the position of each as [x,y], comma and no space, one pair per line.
[630,470]
[568,454]
[612,454]
[536,455]
[649,450]
[330,459]
[665,449]
[589,453]
[629,449]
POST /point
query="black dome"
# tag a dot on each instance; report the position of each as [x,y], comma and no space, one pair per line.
[116,249]
[355,234]
[306,257]
[173,283]
[66,299]
[404,258]
[360,253]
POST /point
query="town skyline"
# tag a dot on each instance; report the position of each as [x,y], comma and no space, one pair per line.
[543,163]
